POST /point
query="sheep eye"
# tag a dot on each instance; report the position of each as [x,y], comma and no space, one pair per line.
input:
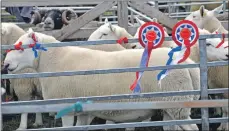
[21,51]
[208,44]
[194,16]
[105,34]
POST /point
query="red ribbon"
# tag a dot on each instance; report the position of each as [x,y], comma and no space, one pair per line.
[186,34]
[16,47]
[34,39]
[151,36]
[221,43]
[121,40]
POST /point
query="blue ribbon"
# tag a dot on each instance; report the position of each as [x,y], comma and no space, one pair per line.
[171,53]
[144,58]
[37,47]
[77,107]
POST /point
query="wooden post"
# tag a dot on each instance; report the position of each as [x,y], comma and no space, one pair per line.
[84,19]
[154,13]
[122,14]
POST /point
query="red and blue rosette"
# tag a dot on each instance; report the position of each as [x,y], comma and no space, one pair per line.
[151,36]
[185,34]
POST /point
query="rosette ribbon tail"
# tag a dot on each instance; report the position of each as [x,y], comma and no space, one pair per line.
[135,87]
[164,72]
[187,51]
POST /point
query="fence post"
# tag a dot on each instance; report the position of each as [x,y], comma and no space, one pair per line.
[123,14]
[204,83]
[1,128]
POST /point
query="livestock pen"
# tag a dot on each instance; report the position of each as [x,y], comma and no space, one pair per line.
[58,104]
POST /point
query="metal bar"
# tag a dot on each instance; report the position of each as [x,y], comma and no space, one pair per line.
[76,24]
[134,124]
[99,42]
[1,124]
[12,3]
[204,83]
[115,106]
[122,14]
[99,71]
[114,97]
[140,14]
[105,71]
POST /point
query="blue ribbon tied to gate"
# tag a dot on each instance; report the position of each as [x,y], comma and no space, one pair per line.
[77,107]
[151,36]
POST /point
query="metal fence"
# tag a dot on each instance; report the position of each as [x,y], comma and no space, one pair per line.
[58,104]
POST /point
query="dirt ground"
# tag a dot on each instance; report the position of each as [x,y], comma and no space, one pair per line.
[11,122]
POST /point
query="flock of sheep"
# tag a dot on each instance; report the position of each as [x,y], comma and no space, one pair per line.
[113,56]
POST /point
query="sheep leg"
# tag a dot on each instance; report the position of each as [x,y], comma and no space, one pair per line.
[84,119]
[127,129]
[67,120]
[166,117]
[23,123]
[183,114]
[38,120]
[224,126]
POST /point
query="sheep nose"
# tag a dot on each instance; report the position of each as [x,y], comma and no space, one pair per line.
[4,69]
[227,55]
[5,66]
[133,47]
[47,23]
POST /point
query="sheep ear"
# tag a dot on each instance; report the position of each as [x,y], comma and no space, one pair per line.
[111,27]
[202,11]
[139,21]
[155,20]
[216,11]
[165,29]
[106,21]
[3,31]
[30,32]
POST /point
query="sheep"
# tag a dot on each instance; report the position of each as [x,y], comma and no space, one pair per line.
[207,6]
[23,87]
[170,44]
[75,86]
[206,19]
[220,73]
[107,31]
[53,19]
[217,76]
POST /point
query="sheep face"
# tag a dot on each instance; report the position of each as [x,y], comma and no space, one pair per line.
[202,16]
[17,59]
[53,20]
[105,31]
[215,54]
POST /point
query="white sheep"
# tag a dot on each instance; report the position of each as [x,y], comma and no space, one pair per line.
[217,76]
[107,31]
[206,19]
[23,87]
[76,58]
[208,6]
